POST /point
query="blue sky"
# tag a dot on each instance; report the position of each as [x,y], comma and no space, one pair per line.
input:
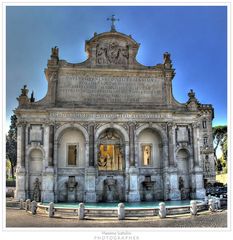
[196,37]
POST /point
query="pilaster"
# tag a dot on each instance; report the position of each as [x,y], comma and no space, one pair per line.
[90,184]
[134,195]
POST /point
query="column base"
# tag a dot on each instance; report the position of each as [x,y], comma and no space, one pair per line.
[90,197]
[19,194]
[200,193]
[48,196]
[134,196]
[174,194]
[47,193]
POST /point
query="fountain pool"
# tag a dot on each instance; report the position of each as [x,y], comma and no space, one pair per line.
[143,205]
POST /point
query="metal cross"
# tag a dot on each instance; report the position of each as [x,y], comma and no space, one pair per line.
[113,19]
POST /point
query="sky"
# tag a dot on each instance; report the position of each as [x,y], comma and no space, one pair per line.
[196,38]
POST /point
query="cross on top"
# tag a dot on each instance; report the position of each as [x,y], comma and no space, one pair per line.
[113,19]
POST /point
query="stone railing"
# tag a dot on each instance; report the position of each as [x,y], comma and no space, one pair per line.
[121,212]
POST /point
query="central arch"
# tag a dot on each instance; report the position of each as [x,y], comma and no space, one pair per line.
[111,160]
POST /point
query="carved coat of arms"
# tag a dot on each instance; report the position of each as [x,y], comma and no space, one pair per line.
[112,53]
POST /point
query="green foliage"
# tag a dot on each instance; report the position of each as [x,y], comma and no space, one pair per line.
[219,137]
[224,148]
[220,140]
[8,168]
[11,143]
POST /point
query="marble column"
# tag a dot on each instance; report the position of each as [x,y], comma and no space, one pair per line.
[90,171]
[171,143]
[197,182]
[131,144]
[195,129]
[55,163]
[51,145]
[20,192]
[91,129]
[47,193]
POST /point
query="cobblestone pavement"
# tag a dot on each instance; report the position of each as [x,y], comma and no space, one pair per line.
[20,218]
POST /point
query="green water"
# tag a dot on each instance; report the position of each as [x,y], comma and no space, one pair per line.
[127,204]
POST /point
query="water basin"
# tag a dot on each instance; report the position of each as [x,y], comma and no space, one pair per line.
[127,204]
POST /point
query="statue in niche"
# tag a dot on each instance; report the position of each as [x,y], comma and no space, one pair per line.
[102,162]
[109,162]
[146,155]
[36,190]
[110,154]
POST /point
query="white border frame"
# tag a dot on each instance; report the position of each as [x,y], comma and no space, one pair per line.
[89,233]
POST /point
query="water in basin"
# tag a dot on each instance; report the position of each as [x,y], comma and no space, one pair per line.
[127,204]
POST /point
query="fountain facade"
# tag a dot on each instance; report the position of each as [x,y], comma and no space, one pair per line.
[108,124]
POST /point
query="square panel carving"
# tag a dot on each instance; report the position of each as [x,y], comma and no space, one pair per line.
[182,134]
[35,133]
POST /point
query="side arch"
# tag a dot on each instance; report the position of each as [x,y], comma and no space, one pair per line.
[155,127]
[66,126]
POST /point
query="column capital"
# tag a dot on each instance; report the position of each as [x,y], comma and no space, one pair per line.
[196,125]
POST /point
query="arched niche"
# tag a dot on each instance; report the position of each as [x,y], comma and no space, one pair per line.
[149,148]
[183,165]
[182,158]
[71,148]
[36,161]
[110,150]
[35,167]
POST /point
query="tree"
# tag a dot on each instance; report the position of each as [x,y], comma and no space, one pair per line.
[224,148]
[219,137]
[11,144]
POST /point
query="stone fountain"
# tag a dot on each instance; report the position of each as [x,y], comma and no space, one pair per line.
[148,189]
[71,186]
[110,190]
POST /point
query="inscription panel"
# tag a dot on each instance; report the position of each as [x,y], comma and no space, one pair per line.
[109,89]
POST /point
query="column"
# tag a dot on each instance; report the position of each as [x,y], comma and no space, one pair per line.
[91,129]
[23,145]
[198,183]
[51,145]
[133,195]
[47,193]
[55,154]
[171,143]
[90,171]
[195,129]
[131,144]
[20,192]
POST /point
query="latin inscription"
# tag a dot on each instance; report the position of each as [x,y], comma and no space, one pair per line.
[104,89]
[106,116]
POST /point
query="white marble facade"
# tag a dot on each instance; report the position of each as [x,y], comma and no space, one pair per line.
[109,129]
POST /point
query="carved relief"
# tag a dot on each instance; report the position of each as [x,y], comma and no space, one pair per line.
[112,53]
